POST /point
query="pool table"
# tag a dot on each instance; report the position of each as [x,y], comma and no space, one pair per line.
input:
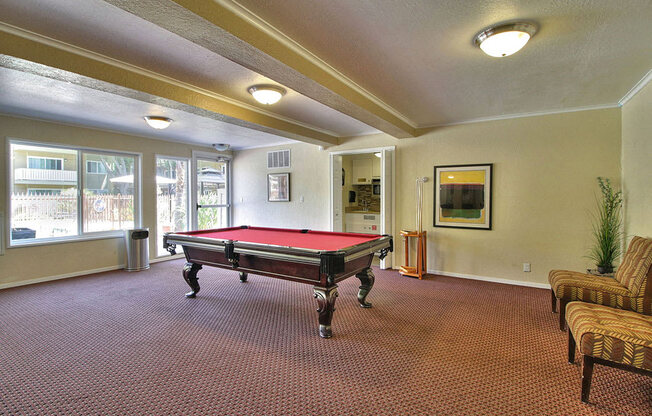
[319,258]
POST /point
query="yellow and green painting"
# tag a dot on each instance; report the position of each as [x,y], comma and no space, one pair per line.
[462,196]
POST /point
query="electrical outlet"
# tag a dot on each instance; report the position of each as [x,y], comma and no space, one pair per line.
[526,267]
[301,198]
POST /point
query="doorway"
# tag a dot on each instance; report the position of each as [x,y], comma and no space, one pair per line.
[211,191]
[362,192]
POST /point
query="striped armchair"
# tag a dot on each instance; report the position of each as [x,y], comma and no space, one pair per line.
[630,289]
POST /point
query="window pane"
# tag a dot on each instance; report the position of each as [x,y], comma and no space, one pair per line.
[208,218]
[50,209]
[108,201]
[211,182]
[211,190]
[171,198]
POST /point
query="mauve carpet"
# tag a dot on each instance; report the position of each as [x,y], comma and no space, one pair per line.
[120,343]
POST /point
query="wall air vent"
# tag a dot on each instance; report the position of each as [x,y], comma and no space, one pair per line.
[278,159]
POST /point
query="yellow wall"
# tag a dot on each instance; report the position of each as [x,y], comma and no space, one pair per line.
[637,163]
[545,171]
[544,186]
[31,263]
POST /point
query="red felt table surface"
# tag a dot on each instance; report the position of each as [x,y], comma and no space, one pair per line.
[314,240]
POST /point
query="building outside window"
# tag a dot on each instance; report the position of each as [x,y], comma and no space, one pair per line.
[35,162]
[95,166]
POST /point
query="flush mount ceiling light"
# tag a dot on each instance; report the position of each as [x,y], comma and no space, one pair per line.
[157,122]
[266,94]
[221,147]
[504,40]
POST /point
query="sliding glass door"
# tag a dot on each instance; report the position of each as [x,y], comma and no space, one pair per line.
[172,183]
[212,192]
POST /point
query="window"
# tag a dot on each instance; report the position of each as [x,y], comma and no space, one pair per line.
[172,184]
[108,201]
[212,194]
[56,209]
[95,166]
[35,162]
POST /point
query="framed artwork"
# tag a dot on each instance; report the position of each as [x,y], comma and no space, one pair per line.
[278,187]
[463,196]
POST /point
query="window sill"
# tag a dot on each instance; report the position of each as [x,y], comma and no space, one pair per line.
[64,240]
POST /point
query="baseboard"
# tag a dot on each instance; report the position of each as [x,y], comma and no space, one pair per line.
[179,256]
[80,273]
[491,279]
[61,276]
[167,258]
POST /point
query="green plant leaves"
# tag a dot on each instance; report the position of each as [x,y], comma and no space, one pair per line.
[607,225]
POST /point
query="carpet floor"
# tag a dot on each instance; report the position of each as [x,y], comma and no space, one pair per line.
[131,344]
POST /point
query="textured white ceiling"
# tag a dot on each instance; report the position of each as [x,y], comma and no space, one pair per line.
[49,99]
[418,56]
[102,28]
[415,55]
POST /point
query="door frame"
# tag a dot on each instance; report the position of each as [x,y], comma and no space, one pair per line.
[384,186]
[217,157]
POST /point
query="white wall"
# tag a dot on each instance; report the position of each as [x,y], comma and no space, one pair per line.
[309,178]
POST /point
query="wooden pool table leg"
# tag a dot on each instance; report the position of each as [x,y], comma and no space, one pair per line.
[190,276]
[367,279]
[243,276]
[326,302]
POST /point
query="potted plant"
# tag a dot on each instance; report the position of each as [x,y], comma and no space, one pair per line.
[607,230]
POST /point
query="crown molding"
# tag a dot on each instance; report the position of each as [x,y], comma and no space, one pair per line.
[273,32]
[36,37]
[523,115]
[636,88]
[102,129]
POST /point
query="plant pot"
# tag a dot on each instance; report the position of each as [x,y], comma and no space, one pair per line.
[605,269]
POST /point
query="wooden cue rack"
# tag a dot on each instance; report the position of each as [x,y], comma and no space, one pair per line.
[420,269]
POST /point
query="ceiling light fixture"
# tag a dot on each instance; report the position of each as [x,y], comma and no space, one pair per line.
[266,94]
[504,40]
[221,147]
[378,154]
[157,122]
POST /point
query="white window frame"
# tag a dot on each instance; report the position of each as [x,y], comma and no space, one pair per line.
[81,235]
[46,158]
[188,197]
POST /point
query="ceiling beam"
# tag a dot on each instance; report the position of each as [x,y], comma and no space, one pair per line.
[133,82]
[224,27]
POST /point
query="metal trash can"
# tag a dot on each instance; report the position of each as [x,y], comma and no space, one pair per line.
[137,249]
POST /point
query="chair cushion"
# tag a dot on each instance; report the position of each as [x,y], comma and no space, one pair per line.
[611,334]
[561,281]
[637,261]
[571,286]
